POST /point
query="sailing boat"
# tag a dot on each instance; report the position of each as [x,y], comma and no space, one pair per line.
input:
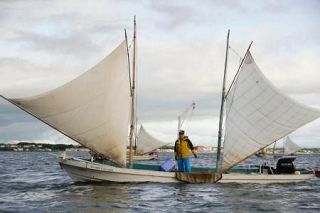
[289,147]
[146,145]
[257,114]
[96,109]
[285,160]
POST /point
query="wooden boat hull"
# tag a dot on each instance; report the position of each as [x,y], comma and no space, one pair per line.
[86,171]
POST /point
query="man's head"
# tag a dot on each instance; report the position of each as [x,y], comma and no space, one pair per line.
[181,133]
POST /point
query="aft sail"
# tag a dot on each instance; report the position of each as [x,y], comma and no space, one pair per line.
[146,142]
[92,109]
[290,147]
[257,114]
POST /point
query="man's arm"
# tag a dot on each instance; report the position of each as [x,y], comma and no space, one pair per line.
[193,150]
[175,150]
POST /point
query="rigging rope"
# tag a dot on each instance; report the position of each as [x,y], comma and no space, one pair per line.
[184,115]
[187,124]
[236,53]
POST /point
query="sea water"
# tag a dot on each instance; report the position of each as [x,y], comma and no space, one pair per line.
[34,182]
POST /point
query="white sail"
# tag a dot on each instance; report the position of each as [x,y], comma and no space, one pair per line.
[257,114]
[146,142]
[92,109]
[290,147]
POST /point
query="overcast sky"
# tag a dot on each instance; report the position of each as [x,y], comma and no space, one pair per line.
[181,48]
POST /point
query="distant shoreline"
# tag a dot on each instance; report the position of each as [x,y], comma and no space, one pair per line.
[40,147]
[35,147]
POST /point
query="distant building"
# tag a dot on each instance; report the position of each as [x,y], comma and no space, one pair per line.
[201,148]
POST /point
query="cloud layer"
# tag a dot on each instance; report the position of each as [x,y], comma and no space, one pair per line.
[181,47]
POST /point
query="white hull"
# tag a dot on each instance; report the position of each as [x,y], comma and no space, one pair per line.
[144,157]
[85,171]
[264,178]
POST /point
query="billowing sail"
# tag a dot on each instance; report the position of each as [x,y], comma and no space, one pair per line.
[146,142]
[290,147]
[92,109]
[257,114]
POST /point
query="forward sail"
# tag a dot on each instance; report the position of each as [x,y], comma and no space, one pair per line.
[92,109]
[257,114]
[146,142]
[290,147]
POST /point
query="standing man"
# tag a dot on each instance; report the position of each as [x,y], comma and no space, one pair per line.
[182,147]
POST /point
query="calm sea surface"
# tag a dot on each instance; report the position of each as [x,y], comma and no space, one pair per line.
[34,182]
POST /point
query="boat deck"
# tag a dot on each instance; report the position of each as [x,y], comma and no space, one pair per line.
[156,167]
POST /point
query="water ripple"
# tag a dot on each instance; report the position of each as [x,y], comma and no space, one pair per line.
[34,182]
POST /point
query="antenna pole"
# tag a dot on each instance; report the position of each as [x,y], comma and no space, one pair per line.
[133,96]
[218,166]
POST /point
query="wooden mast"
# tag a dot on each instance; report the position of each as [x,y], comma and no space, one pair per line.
[218,167]
[133,96]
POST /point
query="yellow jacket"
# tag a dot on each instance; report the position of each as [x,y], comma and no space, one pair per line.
[182,147]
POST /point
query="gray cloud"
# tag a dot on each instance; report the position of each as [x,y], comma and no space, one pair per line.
[174,15]
[10,114]
[67,45]
[181,48]
[162,109]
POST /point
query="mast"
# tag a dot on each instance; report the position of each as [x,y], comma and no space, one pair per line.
[179,124]
[135,138]
[274,147]
[223,97]
[133,96]
[218,167]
